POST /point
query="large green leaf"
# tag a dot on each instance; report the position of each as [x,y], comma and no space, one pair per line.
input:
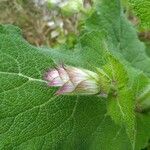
[31,116]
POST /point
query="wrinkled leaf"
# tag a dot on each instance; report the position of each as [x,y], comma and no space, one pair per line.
[30,114]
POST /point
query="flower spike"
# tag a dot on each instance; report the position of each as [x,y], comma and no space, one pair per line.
[72,80]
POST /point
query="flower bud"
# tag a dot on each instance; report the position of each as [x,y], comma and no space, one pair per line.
[74,80]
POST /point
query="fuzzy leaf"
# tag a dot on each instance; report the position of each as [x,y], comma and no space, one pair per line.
[31,116]
[108,28]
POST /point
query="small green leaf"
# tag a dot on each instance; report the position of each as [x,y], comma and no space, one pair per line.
[121,100]
[141,9]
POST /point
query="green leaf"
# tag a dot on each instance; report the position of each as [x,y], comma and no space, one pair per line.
[143,134]
[141,9]
[108,28]
[31,116]
[121,100]
[147,43]
[142,93]
[112,135]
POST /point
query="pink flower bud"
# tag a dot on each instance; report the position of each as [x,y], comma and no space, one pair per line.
[73,80]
